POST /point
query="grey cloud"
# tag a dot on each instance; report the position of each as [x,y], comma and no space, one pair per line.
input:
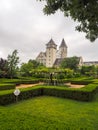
[24,27]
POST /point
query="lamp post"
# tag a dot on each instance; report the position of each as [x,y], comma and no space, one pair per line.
[16,93]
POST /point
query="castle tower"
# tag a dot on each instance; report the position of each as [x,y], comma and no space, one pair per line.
[63,50]
[51,49]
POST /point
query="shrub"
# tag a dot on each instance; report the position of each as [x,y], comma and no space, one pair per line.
[77,94]
[7,86]
[20,81]
[31,92]
[7,97]
[84,94]
[81,82]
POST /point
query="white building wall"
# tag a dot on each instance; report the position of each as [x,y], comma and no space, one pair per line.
[50,56]
[41,58]
[62,52]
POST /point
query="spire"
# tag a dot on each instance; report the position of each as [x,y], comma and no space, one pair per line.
[63,44]
[51,42]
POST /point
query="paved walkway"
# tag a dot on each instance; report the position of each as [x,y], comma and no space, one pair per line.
[31,85]
[28,85]
[75,85]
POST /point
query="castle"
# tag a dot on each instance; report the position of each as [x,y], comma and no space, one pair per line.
[51,55]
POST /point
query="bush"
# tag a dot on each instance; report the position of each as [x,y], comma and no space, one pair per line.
[84,94]
[31,92]
[77,94]
[19,81]
[81,82]
[7,86]
[7,97]
[60,76]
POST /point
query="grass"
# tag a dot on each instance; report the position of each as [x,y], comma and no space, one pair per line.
[50,113]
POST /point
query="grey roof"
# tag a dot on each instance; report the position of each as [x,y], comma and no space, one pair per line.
[41,54]
[91,62]
[51,42]
[63,44]
[58,61]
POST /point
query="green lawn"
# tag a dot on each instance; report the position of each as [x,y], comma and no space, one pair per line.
[50,113]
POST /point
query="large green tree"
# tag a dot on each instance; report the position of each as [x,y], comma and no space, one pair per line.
[83,11]
[27,69]
[71,63]
[89,70]
[13,61]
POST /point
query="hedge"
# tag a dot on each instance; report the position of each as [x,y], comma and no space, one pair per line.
[84,94]
[56,82]
[19,81]
[69,93]
[7,86]
[81,82]
[7,97]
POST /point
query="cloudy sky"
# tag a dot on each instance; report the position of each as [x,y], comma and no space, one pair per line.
[23,26]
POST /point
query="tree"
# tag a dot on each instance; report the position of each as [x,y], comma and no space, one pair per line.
[13,61]
[83,11]
[3,68]
[71,63]
[89,70]
[27,69]
[36,64]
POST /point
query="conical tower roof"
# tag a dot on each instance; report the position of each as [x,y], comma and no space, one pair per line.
[51,43]
[63,44]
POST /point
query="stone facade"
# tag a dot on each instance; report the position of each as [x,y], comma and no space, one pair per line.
[53,57]
[51,49]
[41,58]
[62,50]
[90,63]
[49,57]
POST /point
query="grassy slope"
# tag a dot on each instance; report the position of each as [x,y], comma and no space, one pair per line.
[50,113]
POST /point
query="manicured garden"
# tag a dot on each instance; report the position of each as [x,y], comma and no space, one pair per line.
[50,113]
[53,105]
[49,107]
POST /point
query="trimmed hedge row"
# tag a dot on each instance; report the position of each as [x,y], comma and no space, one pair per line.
[67,93]
[83,94]
[19,81]
[83,82]
[7,97]
[79,81]
[7,86]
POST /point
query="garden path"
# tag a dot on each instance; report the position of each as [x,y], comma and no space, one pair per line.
[41,83]
[28,85]
[75,85]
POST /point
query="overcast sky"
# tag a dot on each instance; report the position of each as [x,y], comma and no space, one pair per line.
[23,26]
